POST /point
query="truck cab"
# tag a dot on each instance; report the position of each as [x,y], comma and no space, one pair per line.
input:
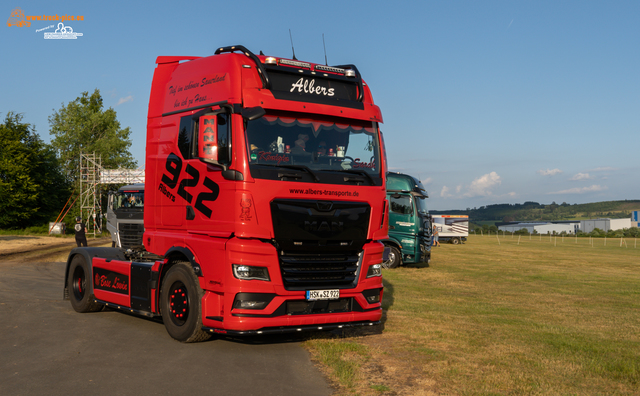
[409,221]
[125,216]
[265,203]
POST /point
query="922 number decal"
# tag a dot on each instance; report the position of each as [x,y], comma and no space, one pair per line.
[170,179]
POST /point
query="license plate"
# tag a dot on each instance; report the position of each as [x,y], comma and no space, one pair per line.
[333,294]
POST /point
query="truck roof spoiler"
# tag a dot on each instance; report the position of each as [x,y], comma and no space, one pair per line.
[174,59]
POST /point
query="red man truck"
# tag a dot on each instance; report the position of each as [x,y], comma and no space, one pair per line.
[265,202]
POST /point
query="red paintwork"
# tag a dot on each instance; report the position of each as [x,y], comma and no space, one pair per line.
[241,213]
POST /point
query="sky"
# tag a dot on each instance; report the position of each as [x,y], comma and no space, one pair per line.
[486,102]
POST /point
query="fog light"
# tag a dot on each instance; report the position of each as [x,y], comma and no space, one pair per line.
[252,300]
[246,272]
[374,270]
[373,299]
[372,296]
[252,304]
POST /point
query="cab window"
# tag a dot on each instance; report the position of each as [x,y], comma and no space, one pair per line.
[401,205]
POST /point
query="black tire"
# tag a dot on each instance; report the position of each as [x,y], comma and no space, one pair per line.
[183,319]
[455,241]
[394,260]
[80,286]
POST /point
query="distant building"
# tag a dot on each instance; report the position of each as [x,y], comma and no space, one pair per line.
[604,224]
[635,218]
[568,227]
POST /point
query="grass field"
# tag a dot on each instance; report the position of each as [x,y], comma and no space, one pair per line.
[501,316]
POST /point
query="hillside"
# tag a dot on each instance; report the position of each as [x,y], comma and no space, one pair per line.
[532,211]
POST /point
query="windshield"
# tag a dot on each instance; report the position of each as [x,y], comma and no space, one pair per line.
[128,200]
[421,203]
[321,143]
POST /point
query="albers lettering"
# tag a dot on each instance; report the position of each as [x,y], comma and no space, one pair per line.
[166,192]
[306,86]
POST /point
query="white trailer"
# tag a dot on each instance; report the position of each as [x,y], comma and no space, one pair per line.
[451,228]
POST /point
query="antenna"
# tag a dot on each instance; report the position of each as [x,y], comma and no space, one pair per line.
[325,51]
[292,50]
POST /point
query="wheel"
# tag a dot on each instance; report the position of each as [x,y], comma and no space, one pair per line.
[455,241]
[394,258]
[81,289]
[180,302]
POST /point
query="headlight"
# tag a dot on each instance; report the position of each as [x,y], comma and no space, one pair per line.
[374,270]
[246,272]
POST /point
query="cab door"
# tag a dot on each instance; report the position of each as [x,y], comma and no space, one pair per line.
[403,220]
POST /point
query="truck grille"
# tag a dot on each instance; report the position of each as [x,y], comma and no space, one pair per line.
[130,234]
[319,270]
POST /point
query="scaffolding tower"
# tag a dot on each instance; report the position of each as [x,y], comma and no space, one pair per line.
[92,174]
[90,195]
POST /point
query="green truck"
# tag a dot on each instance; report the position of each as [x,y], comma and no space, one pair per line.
[409,221]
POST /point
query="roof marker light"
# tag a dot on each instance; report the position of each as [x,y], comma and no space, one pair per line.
[270,60]
[350,73]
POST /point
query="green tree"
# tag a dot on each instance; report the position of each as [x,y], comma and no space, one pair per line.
[33,188]
[83,125]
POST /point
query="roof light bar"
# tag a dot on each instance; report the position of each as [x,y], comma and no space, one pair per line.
[295,63]
[330,69]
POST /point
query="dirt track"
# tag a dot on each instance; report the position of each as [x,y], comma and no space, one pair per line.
[17,249]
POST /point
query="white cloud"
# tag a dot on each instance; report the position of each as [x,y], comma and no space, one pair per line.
[426,181]
[444,193]
[549,172]
[482,185]
[581,176]
[124,100]
[512,194]
[603,169]
[458,189]
[580,190]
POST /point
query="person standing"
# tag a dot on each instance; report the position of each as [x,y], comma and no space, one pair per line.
[435,235]
[81,237]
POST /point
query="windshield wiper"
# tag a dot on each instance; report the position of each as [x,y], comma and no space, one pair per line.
[300,167]
[357,172]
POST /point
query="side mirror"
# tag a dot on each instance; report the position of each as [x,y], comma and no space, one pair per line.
[208,137]
[253,113]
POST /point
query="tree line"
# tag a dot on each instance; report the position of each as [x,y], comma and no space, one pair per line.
[37,179]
